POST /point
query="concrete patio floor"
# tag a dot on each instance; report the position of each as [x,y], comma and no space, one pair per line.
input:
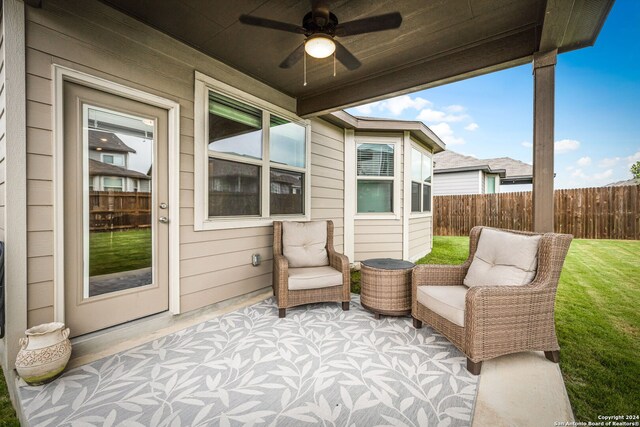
[516,390]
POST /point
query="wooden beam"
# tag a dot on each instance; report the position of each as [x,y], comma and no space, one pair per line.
[544,69]
[481,58]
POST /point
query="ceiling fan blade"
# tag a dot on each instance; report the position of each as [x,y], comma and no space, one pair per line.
[293,58]
[371,24]
[345,57]
[268,23]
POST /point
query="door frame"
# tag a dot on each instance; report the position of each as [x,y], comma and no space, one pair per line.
[62,74]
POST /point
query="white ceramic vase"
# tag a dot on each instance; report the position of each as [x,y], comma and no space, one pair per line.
[44,353]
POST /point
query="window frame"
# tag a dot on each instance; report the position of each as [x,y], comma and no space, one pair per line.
[122,187]
[114,156]
[396,141]
[425,152]
[203,85]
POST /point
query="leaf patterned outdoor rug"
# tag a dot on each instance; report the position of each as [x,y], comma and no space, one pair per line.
[318,366]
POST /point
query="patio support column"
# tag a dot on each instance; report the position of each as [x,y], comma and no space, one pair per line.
[15,164]
[544,69]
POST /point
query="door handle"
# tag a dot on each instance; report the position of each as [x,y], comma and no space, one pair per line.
[163,219]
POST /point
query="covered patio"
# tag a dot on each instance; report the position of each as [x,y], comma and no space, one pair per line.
[175,52]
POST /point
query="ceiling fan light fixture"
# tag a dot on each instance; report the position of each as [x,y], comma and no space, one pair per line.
[320,46]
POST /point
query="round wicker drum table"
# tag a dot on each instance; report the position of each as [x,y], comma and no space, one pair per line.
[385,286]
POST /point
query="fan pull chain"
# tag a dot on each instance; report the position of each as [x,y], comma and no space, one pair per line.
[305,66]
[334,63]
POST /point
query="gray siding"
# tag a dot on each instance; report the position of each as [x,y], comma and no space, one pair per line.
[3,128]
[456,183]
[420,237]
[380,238]
[214,265]
[327,177]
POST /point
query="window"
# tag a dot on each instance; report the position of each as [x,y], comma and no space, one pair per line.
[420,181]
[256,161]
[113,159]
[375,177]
[491,185]
[112,183]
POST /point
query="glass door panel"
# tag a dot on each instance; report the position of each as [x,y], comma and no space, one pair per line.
[118,179]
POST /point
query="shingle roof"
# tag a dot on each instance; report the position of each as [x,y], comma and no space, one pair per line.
[450,160]
[107,141]
[97,168]
[631,181]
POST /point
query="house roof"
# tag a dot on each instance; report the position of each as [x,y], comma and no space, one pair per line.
[631,181]
[107,141]
[508,168]
[417,129]
[97,168]
[438,42]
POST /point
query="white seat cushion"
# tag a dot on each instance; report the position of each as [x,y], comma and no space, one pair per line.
[313,278]
[304,243]
[447,301]
[502,259]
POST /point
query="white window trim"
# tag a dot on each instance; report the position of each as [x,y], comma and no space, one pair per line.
[429,154]
[114,155]
[123,183]
[202,222]
[397,177]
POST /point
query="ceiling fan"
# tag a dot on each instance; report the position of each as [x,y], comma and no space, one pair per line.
[321,27]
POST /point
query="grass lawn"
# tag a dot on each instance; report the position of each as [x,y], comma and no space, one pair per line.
[7,414]
[112,252]
[597,321]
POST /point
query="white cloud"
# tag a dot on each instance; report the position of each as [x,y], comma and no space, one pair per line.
[566,145]
[606,174]
[471,127]
[455,108]
[579,174]
[444,131]
[526,144]
[570,168]
[432,116]
[367,108]
[394,106]
[609,162]
[584,161]
[632,158]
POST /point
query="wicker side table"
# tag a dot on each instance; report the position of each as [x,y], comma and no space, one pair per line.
[385,286]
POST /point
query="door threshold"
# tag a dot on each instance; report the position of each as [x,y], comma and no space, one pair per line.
[107,342]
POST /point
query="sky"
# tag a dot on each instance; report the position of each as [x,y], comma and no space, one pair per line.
[597,116]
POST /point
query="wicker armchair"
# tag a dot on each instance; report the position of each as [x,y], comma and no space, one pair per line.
[498,320]
[287,298]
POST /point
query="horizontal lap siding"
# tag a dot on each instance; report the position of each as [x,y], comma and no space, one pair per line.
[327,177]
[3,127]
[420,236]
[456,183]
[93,38]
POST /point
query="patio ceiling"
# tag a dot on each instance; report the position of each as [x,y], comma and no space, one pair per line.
[440,41]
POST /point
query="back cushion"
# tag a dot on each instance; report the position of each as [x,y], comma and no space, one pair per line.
[304,243]
[502,259]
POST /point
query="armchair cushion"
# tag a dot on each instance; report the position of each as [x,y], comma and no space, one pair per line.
[446,301]
[313,278]
[503,258]
[304,243]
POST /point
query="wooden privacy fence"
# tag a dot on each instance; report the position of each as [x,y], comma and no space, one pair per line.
[587,213]
[119,210]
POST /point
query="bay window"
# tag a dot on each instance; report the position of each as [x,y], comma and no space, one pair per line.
[421,172]
[256,159]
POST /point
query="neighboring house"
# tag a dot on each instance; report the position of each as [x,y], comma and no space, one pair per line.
[631,181]
[455,173]
[211,92]
[109,162]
